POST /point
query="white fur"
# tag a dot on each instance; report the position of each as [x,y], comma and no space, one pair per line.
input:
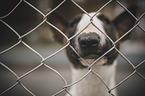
[91,85]
[85,20]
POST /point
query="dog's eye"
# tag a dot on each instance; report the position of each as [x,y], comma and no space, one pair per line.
[75,21]
[104,19]
[72,24]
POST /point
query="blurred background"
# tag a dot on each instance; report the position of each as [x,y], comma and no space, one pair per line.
[43,81]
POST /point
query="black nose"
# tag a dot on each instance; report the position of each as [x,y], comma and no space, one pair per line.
[89,40]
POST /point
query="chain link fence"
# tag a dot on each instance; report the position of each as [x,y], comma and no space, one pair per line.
[19,37]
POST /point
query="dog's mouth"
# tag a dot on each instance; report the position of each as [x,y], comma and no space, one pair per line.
[94,52]
[91,56]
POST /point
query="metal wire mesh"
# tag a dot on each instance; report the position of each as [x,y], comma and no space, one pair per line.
[43,59]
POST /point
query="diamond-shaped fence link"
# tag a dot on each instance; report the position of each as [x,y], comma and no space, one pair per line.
[21,41]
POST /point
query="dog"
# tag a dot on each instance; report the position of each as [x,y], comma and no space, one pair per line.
[93,49]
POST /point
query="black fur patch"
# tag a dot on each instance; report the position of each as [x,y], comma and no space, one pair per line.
[112,33]
[72,26]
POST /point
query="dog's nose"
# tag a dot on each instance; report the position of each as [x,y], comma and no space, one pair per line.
[89,40]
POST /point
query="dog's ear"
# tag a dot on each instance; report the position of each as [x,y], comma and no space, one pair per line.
[125,21]
[61,23]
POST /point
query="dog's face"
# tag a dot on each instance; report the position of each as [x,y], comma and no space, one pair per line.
[93,35]
[91,41]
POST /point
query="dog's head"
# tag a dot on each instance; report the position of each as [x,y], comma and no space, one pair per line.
[93,35]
